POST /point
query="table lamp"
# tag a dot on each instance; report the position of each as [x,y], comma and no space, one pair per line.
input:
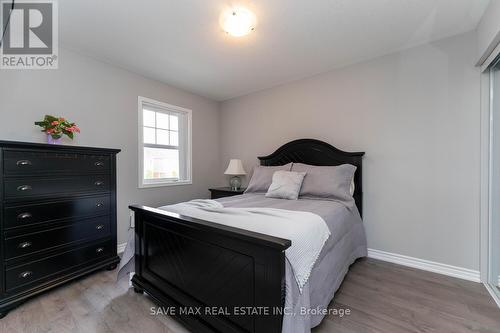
[235,168]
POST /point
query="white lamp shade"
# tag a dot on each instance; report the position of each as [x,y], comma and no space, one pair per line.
[235,168]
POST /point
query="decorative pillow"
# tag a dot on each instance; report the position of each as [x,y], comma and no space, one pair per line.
[286,185]
[263,177]
[328,182]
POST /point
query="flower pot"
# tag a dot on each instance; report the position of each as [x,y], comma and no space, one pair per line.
[52,141]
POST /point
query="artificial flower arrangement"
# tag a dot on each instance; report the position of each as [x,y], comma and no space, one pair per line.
[57,127]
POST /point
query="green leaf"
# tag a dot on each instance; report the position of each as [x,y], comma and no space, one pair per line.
[50,118]
[41,123]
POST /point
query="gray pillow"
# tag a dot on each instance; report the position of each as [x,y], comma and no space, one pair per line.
[327,182]
[263,177]
[286,185]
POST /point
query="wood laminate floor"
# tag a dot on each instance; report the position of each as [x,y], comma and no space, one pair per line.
[382,298]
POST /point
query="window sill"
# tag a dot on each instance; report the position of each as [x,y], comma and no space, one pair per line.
[184,182]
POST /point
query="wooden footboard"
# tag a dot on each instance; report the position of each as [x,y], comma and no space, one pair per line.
[213,277]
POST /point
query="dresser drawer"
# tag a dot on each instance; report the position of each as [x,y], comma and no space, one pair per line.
[37,271]
[17,244]
[26,215]
[46,187]
[26,162]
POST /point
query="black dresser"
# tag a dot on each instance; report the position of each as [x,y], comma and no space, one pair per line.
[58,216]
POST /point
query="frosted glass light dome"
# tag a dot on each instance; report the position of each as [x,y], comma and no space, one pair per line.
[238,21]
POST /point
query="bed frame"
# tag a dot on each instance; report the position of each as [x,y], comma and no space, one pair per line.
[216,278]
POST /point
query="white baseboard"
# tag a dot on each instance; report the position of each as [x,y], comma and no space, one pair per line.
[426,265]
[121,247]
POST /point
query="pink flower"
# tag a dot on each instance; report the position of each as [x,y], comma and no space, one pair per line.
[49,130]
[55,122]
[62,119]
[73,128]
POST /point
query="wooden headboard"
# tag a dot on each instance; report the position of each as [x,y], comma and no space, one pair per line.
[316,152]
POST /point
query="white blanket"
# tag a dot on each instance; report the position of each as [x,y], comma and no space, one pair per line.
[307,231]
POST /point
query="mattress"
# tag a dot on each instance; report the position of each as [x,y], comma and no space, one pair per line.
[347,243]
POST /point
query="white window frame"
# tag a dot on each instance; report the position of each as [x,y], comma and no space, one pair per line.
[186,146]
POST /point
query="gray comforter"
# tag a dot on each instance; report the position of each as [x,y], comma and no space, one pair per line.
[346,243]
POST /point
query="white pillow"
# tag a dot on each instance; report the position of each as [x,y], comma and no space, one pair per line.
[352,187]
[286,185]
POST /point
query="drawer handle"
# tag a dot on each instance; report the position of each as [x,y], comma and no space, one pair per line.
[99,183]
[24,188]
[26,274]
[23,163]
[99,204]
[99,227]
[99,250]
[24,216]
[99,164]
[24,245]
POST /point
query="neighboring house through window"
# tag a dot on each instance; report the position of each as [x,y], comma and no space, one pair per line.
[164,144]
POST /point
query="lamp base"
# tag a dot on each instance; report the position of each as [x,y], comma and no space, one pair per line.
[235,183]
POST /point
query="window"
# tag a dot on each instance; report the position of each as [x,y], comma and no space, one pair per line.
[164,144]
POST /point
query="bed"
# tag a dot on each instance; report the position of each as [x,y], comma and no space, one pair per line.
[217,278]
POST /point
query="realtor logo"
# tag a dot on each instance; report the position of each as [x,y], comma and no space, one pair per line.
[29,35]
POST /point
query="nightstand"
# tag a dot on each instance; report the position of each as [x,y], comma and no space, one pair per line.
[221,192]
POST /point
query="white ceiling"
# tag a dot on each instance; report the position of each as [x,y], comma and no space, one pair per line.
[180,42]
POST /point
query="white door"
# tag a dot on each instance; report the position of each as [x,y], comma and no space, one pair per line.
[494,224]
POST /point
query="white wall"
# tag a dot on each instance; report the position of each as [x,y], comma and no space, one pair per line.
[415,114]
[102,100]
[488,30]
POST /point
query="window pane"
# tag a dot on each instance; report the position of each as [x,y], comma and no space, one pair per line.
[161,137]
[161,163]
[161,120]
[149,118]
[174,138]
[174,123]
[149,135]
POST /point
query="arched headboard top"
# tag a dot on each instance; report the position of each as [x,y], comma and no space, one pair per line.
[316,152]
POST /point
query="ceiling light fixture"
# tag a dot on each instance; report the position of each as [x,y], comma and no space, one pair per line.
[238,21]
